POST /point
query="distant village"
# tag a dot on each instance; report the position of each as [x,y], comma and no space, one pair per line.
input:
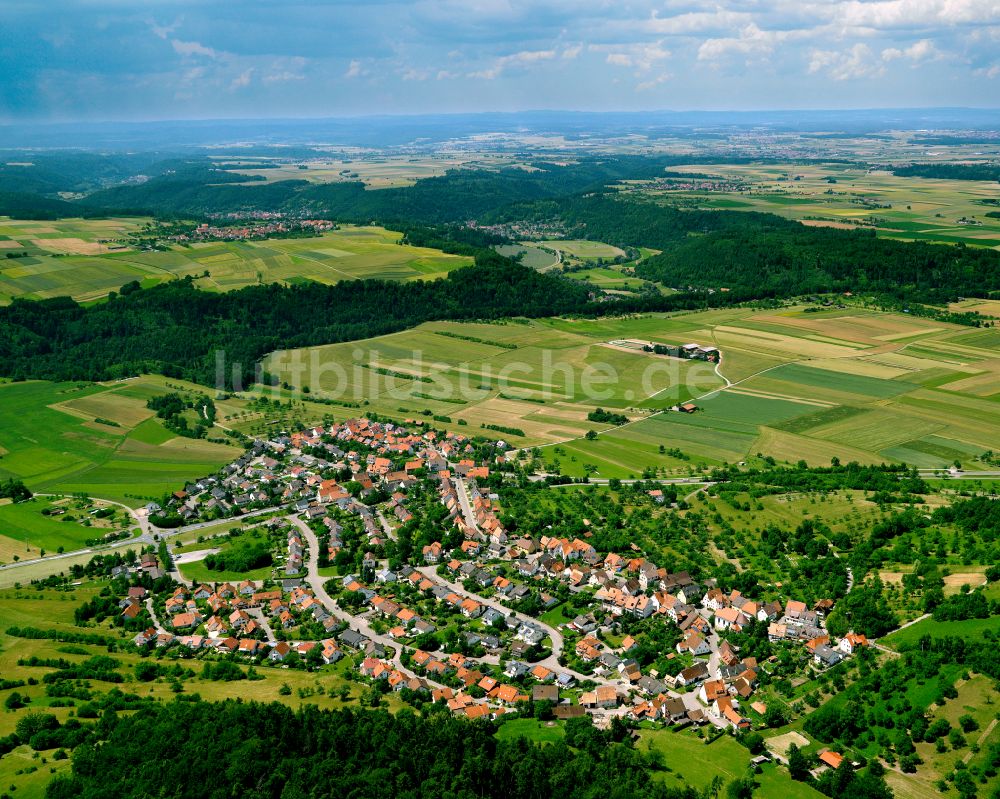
[252,231]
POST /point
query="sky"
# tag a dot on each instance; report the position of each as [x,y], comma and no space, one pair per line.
[66,60]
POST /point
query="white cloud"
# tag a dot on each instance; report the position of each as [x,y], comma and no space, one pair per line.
[412,73]
[751,42]
[521,59]
[188,49]
[163,31]
[697,22]
[857,62]
[242,80]
[916,52]
[642,57]
[354,69]
[652,84]
[885,15]
[282,77]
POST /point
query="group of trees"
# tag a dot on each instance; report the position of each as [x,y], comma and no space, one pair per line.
[242,557]
[949,171]
[607,417]
[765,255]
[865,610]
[14,490]
[170,408]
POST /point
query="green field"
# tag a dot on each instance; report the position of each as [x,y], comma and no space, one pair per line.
[50,440]
[530,255]
[846,195]
[584,250]
[608,279]
[197,571]
[689,760]
[528,376]
[66,257]
[535,731]
[971,629]
[24,530]
[840,383]
[847,383]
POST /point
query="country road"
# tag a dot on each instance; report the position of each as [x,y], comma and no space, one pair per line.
[148,534]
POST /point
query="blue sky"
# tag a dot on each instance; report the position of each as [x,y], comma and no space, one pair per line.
[186,59]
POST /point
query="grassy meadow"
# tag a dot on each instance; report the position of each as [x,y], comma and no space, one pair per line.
[43,526]
[51,439]
[67,257]
[589,261]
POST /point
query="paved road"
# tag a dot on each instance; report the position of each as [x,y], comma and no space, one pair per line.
[198,554]
[148,534]
[537,478]
[152,613]
[316,581]
[262,620]
[145,537]
[946,473]
[465,505]
[385,525]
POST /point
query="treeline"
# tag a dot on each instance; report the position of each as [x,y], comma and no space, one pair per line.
[255,750]
[779,259]
[176,330]
[966,605]
[949,171]
[629,221]
[884,478]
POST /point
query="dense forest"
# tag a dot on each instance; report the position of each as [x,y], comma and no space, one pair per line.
[260,751]
[765,255]
[950,171]
[787,260]
[175,329]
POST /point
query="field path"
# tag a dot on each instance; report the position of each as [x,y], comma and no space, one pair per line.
[893,652]
[981,740]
